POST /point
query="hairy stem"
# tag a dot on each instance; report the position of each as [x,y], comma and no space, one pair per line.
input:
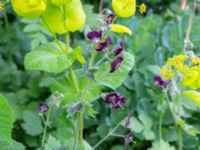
[45,127]
[100,6]
[107,135]
[189,28]
[160,125]
[180,140]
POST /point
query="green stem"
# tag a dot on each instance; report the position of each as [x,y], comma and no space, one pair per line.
[180,140]
[80,137]
[160,125]
[107,135]
[54,35]
[45,127]
[6,21]
[73,79]
[67,40]
[76,134]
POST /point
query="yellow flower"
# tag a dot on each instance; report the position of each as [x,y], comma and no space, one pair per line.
[196,60]
[120,29]
[142,8]
[124,8]
[166,73]
[29,8]
[59,21]
[75,16]
[194,95]
[1,6]
[60,2]
[190,79]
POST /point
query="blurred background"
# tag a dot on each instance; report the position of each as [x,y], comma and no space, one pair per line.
[157,35]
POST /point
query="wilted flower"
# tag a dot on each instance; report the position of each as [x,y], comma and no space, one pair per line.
[94,35]
[1,6]
[115,100]
[128,139]
[104,44]
[116,64]
[119,49]
[127,121]
[43,107]
[161,82]
[110,17]
[142,8]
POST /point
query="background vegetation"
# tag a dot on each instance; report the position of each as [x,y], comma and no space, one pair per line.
[157,35]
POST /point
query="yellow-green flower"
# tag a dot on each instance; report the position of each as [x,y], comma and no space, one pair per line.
[29,8]
[60,2]
[124,8]
[1,6]
[75,16]
[190,79]
[120,29]
[142,8]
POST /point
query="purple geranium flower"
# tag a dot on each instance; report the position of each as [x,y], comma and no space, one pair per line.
[94,35]
[104,44]
[161,82]
[43,107]
[115,100]
[116,64]
[119,49]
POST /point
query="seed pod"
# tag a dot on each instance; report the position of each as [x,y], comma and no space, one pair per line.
[124,8]
[75,16]
[29,8]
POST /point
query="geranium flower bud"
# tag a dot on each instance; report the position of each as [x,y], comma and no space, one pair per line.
[116,64]
[119,49]
[128,139]
[110,17]
[124,8]
[29,8]
[43,107]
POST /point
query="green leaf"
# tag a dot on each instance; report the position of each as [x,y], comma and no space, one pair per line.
[65,86]
[48,57]
[114,80]
[13,145]
[135,125]
[52,143]
[6,119]
[32,123]
[78,54]
[161,145]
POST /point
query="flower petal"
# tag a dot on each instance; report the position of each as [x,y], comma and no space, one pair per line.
[120,29]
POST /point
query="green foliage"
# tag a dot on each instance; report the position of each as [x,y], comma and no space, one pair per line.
[161,145]
[6,120]
[102,76]
[32,123]
[49,57]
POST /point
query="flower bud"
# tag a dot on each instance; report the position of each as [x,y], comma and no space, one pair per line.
[29,8]
[124,8]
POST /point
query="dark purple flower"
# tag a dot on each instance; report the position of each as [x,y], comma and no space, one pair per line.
[115,100]
[109,18]
[42,107]
[161,82]
[94,35]
[116,64]
[104,44]
[128,139]
[119,49]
